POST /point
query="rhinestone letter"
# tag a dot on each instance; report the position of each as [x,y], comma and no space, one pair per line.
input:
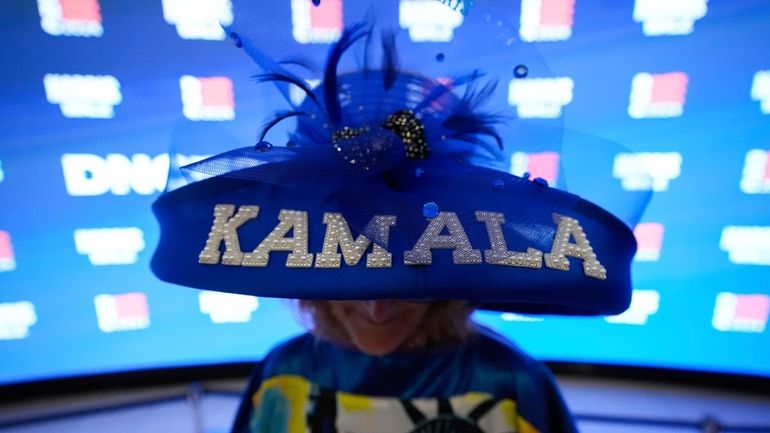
[225,229]
[379,229]
[456,240]
[498,254]
[290,220]
[338,236]
[581,249]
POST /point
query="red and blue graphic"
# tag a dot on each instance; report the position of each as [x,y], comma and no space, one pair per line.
[657,95]
[741,313]
[544,165]
[649,238]
[316,24]
[207,98]
[546,20]
[123,312]
[7,258]
[70,17]
[756,172]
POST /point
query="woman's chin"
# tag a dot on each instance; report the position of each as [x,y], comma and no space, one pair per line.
[376,347]
[380,340]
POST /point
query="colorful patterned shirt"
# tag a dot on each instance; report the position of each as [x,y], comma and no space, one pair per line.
[486,385]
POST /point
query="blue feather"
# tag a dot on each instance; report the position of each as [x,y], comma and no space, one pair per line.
[331,92]
[442,89]
[467,120]
[278,119]
[288,78]
[389,59]
[303,63]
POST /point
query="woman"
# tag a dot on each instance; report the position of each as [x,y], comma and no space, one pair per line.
[397,366]
[377,217]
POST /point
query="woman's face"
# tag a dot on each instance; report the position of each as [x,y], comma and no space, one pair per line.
[382,326]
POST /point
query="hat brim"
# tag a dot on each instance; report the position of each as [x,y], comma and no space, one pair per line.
[531,212]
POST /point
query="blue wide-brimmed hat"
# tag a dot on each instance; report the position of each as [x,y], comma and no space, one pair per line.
[379,194]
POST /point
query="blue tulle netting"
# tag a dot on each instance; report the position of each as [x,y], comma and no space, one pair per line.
[341,136]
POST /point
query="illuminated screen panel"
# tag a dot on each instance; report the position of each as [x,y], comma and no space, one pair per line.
[96,94]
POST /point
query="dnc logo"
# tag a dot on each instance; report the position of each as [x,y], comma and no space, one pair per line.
[760,90]
[87,174]
[428,20]
[746,245]
[199,19]
[110,246]
[15,319]
[666,17]
[70,17]
[227,307]
[645,171]
[540,97]
[90,96]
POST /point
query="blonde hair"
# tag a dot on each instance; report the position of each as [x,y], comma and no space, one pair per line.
[445,322]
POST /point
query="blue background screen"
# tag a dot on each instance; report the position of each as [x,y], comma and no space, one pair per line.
[96,94]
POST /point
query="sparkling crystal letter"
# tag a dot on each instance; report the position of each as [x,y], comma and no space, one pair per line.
[581,249]
[225,229]
[290,220]
[456,240]
[338,236]
[499,254]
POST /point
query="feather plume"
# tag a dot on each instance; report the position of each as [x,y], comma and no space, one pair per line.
[331,91]
[288,78]
[389,59]
[278,119]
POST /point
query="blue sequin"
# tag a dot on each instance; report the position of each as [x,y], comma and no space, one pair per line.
[418,172]
[262,146]
[525,176]
[430,210]
[498,184]
[440,57]
[520,71]
[316,2]
[540,181]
